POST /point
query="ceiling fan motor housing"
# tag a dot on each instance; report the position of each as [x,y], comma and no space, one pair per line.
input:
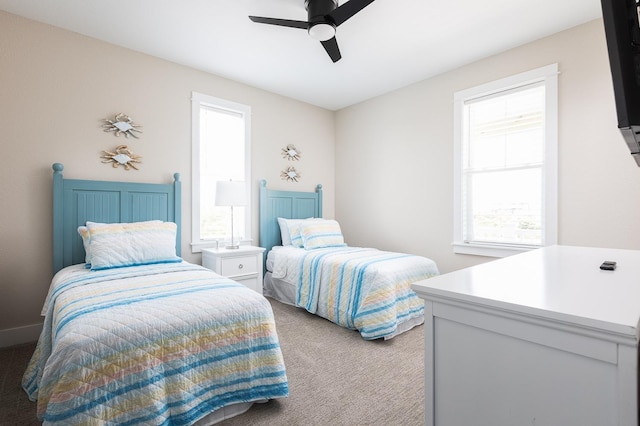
[318,9]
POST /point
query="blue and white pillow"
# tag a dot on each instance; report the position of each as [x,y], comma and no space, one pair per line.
[115,245]
[319,233]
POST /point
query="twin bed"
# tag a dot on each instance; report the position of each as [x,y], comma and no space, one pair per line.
[135,335]
[309,265]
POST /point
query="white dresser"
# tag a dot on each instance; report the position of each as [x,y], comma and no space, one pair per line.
[540,338]
[243,264]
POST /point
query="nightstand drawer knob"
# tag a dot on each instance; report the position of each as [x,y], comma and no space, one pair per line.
[240,266]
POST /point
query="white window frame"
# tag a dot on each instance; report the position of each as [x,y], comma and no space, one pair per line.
[198,99]
[548,75]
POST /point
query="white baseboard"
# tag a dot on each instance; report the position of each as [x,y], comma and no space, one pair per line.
[19,335]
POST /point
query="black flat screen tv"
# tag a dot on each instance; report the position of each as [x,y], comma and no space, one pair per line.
[623,44]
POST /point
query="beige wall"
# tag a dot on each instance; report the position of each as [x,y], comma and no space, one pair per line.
[57,86]
[394,155]
[391,156]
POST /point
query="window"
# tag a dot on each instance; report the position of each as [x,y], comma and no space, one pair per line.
[221,135]
[505,171]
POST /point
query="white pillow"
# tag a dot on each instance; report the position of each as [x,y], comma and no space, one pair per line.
[321,233]
[86,242]
[286,228]
[114,245]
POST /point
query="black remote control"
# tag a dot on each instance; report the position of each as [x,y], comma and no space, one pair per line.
[608,265]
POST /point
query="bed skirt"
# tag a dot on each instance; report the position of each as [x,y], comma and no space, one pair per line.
[225,413]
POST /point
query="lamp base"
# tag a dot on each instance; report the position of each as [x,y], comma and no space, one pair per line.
[232,247]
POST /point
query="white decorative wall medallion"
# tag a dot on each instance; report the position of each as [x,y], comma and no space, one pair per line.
[121,124]
[291,153]
[122,156]
[290,174]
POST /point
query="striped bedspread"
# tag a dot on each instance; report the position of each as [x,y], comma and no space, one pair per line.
[156,344]
[358,288]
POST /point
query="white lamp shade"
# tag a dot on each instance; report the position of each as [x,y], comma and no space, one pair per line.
[230,193]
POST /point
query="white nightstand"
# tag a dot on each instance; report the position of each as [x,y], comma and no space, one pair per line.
[243,265]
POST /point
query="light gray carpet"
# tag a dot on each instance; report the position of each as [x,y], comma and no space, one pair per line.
[335,378]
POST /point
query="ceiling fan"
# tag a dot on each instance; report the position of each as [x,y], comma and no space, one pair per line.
[324,16]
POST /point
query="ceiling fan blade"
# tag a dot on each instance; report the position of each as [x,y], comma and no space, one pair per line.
[347,10]
[331,46]
[281,22]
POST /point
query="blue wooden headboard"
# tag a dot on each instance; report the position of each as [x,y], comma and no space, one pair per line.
[77,201]
[287,204]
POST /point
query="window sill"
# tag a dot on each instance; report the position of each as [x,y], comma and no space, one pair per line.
[197,247]
[490,250]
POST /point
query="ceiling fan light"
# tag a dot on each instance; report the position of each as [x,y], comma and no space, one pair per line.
[322,32]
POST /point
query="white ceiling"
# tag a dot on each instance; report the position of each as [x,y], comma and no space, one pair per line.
[388,45]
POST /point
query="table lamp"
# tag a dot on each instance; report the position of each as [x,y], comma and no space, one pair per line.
[231,193]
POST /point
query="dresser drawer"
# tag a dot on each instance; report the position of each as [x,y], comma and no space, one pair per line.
[241,265]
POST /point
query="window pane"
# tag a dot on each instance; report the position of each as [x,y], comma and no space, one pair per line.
[222,144]
[505,207]
[506,130]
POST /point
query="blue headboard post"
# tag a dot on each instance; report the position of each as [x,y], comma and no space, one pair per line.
[286,204]
[319,193]
[58,217]
[77,201]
